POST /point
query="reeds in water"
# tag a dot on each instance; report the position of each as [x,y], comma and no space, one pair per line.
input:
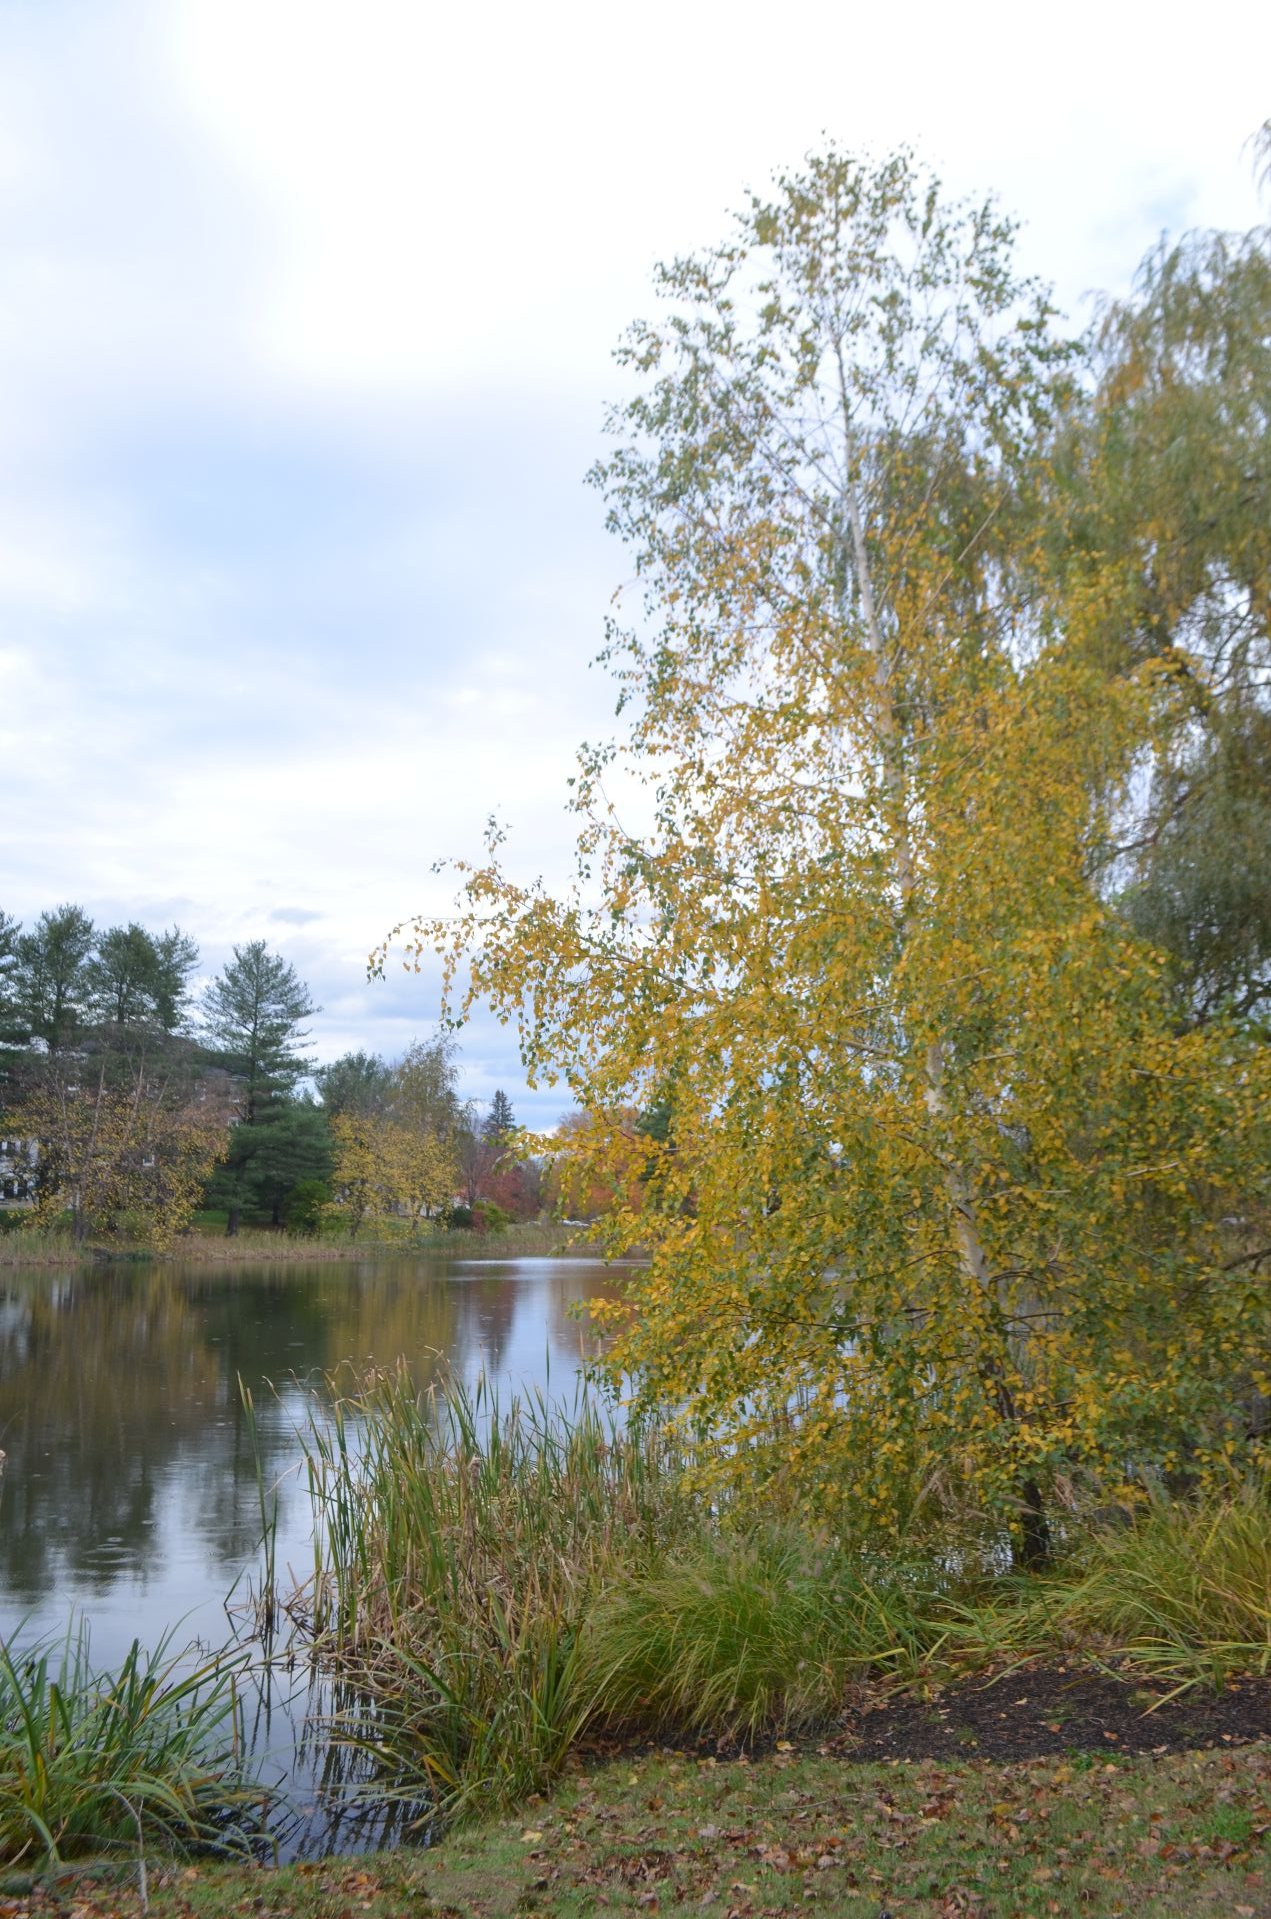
[497,1580]
[95,1762]
[462,1543]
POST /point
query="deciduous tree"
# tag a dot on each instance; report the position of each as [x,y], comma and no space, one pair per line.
[125,1153]
[941,1226]
[355,1083]
[1167,478]
[385,1169]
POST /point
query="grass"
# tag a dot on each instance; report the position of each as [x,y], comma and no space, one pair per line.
[38,1246]
[501,1582]
[1174,1837]
[461,1544]
[747,1634]
[1187,1590]
[208,1243]
[92,1762]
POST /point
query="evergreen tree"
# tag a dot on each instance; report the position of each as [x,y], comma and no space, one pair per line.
[176,955]
[120,977]
[10,929]
[51,983]
[252,1021]
[289,1145]
[500,1121]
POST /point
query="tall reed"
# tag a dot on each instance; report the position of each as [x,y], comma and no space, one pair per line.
[91,1761]
[461,1543]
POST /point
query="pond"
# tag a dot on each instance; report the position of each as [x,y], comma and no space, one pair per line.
[130,1495]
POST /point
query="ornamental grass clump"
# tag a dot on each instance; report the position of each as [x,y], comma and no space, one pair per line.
[460,1544]
[750,1634]
[147,1756]
[1186,1591]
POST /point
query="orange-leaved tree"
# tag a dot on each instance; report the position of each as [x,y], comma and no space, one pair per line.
[934,1202]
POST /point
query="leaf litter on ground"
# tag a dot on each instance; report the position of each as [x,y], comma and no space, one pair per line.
[1171,1835]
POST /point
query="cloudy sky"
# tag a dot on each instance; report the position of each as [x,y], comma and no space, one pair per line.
[305,328]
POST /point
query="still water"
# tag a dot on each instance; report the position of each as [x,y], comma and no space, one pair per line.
[130,1497]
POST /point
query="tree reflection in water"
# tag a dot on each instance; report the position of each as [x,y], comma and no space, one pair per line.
[130,1489]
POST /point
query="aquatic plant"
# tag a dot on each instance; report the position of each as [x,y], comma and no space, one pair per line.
[149,1755]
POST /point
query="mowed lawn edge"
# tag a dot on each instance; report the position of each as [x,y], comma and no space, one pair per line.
[1172,1834]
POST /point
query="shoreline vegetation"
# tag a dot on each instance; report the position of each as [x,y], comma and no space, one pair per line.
[603,1681]
[43,1247]
[504,1582]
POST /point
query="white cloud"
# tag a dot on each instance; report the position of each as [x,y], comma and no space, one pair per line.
[308,316]
[455,193]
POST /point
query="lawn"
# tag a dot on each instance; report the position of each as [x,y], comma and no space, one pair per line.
[1160,1835]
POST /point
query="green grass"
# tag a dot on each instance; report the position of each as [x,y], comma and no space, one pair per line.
[1175,1837]
[90,1762]
[1186,1591]
[750,1633]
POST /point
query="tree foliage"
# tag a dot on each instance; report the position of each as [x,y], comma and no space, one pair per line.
[936,1201]
[137,978]
[1171,483]
[354,1083]
[253,1017]
[50,979]
[396,1137]
[125,1152]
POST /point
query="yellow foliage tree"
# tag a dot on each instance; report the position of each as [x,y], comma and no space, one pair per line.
[125,1149]
[934,1209]
[386,1169]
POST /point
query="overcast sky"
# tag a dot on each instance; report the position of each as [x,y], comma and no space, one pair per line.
[304,347]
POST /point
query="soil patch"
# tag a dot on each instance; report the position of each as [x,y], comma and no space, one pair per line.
[1037,1712]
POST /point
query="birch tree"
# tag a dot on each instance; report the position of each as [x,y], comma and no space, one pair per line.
[931,1217]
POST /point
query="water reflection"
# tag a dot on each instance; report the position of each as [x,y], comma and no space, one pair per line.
[130,1491]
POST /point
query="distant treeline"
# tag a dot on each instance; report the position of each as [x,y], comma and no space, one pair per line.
[126,1105]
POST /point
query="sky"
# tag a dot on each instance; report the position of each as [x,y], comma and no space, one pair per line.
[306,318]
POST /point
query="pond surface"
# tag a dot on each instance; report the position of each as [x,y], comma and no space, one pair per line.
[130,1495]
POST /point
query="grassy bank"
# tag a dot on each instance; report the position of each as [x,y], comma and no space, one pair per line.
[208,1245]
[260,1243]
[1172,1836]
[504,1583]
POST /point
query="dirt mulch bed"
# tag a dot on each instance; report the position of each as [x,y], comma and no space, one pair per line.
[1042,1711]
